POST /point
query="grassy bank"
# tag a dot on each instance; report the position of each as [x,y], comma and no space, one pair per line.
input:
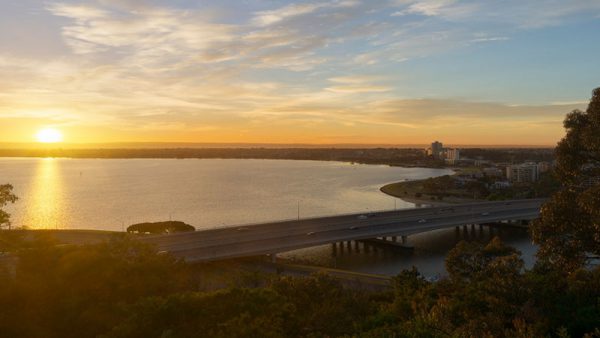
[417,192]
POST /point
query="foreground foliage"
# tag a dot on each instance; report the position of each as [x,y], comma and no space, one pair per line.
[6,196]
[125,289]
[568,230]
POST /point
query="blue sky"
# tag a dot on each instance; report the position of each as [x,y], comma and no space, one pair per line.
[338,71]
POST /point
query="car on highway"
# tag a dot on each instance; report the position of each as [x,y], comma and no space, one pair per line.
[311,233]
[422,220]
[354,227]
[485,213]
[362,217]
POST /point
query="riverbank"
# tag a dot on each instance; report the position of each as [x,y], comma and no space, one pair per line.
[416,192]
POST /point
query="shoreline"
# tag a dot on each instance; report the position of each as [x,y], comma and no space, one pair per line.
[408,187]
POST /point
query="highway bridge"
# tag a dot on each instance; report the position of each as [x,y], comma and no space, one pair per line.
[276,237]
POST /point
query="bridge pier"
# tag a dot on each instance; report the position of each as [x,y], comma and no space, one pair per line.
[377,243]
[404,237]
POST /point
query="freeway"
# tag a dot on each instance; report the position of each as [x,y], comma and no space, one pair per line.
[275,237]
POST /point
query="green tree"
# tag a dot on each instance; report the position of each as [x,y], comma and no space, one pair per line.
[6,196]
[568,230]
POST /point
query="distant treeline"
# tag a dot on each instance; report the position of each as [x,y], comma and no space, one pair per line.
[517,155]
[391,156]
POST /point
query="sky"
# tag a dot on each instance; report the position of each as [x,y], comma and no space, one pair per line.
[319,72]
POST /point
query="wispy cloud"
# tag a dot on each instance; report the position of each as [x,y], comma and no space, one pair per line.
[356,84]
[157,65]
[269,17]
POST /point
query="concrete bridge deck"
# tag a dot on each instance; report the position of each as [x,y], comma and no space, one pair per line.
[275,237]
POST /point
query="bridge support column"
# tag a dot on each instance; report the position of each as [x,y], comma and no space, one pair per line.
[349,246]
[273,258]
[356,247]
[394,238]
[334,249]
[404,237]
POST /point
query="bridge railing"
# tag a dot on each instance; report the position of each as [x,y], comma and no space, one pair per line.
[317,217]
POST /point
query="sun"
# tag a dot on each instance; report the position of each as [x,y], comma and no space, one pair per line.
[49,135]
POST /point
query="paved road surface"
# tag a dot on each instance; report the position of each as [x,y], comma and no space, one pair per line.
[274,237]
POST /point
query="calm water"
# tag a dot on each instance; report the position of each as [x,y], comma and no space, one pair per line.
[107,194]
[112,194]
[430,251]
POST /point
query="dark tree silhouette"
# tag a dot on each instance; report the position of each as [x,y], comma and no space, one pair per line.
[6,196]
[568,230]
[160,227]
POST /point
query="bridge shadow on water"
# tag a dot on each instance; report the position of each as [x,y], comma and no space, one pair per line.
[428,255]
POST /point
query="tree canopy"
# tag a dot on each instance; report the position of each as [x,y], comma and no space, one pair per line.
[6,196]
[568,230]
[160,227]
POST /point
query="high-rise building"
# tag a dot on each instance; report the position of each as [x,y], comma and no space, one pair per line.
[522,173]
[437,149]
[452,155]
[544,167]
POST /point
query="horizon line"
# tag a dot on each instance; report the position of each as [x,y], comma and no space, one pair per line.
[180,145]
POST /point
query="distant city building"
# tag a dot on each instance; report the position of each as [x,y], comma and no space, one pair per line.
[501,185]
[522,173]
[493,172]
[544,167]
[480,162]
[436,150]
[452,155]
[591,181]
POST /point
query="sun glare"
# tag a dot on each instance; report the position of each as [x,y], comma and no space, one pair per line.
[49,135]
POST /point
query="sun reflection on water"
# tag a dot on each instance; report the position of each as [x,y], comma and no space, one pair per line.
[45,210]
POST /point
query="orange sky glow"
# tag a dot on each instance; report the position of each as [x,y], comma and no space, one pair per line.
[330,72]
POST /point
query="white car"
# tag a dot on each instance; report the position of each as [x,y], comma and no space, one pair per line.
[485,213]
[312,233]
[422,220]
[362,217]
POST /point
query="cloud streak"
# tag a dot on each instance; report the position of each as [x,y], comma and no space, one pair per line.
[326,68]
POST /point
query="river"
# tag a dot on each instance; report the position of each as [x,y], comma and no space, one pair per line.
[110,194]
